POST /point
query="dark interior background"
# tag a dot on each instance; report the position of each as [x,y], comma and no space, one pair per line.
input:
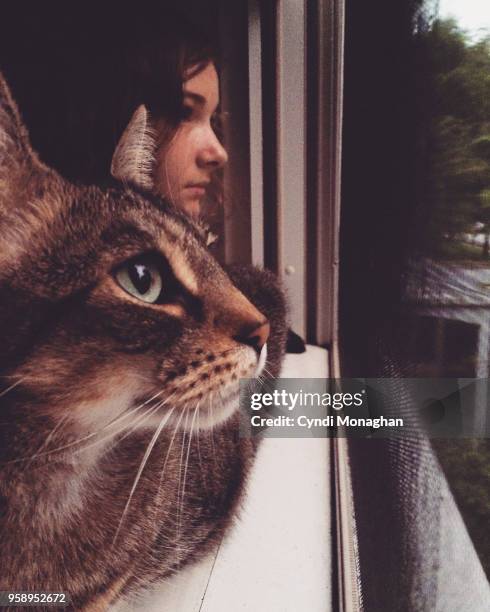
[66,64]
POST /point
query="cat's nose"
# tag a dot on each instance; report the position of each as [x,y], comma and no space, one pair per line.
[257,337]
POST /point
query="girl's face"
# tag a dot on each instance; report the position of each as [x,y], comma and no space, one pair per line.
[185,165]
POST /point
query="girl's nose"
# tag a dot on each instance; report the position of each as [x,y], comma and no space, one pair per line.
[212,154]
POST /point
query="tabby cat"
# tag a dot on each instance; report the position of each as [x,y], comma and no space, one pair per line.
[123,342]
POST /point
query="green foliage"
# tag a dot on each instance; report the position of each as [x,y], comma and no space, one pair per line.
[456,134]
[455,141]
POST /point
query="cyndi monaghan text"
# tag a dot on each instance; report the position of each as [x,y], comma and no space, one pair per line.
[328,421]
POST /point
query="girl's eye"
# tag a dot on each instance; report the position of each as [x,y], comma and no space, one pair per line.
[186,112]
[217,124]
[141,279]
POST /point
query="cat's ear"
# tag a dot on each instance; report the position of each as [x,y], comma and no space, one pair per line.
[31,194]
[16,155]
[134,157]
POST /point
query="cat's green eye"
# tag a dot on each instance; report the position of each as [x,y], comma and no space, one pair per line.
[141,279]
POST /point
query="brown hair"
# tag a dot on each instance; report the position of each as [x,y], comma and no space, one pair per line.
[157,64]
[92,70]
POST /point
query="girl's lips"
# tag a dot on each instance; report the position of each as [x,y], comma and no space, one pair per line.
[196,190]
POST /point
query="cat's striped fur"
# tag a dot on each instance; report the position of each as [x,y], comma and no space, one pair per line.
[120,458]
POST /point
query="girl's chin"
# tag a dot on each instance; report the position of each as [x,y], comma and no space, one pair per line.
[191,206]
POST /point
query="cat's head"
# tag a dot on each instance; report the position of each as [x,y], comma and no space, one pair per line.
[110,304]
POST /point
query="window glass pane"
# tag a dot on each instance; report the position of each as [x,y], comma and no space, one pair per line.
[415,236]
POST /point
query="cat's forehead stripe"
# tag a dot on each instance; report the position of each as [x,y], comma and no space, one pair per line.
[182,270]
[171,239]
[177,259]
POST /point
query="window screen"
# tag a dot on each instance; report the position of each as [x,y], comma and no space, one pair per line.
[414,290]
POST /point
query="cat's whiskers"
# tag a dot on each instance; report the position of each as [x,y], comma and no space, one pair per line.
[186,466]
[48,439]
[226,401]
[198,417]
[172,439]
[138,421]
[261,380]
[210,406]
[16,384]
[157,496]
[131,411]
[269,374]
[147,414]
[182,448]
[95,433]
[199,446]
[134,424]
[149,448]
